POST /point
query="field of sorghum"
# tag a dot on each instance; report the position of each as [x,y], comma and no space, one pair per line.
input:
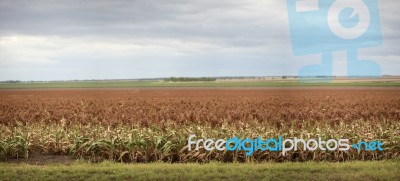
[146,125]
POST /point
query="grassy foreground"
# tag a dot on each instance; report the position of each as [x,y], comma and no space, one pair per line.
[377,170]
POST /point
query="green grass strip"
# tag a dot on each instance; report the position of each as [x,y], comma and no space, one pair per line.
[155,84]
[376,170]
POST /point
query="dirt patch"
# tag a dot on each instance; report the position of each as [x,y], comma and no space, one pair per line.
[43,160]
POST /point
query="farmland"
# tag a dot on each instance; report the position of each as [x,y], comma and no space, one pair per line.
[150,125]
[223,83]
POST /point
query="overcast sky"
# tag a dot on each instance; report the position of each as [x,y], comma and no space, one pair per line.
[78,39]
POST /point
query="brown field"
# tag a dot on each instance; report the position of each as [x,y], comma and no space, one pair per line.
[198,106]
[145,125]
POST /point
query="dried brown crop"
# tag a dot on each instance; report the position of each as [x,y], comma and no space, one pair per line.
[199,106]
[153,124]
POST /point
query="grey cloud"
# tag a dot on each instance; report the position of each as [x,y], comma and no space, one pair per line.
[235,23]
[253,36]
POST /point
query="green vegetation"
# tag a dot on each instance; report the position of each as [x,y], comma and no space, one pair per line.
[160,84]
[189,79]
[378,170]
[168,141]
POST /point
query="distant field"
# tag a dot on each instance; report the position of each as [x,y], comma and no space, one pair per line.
[377,170]
[156,84]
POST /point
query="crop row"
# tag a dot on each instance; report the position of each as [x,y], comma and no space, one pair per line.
[136,143]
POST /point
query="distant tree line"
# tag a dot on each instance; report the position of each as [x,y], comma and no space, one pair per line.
[10,81]
[189,79]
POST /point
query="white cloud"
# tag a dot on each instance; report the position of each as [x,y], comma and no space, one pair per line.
[25,50]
